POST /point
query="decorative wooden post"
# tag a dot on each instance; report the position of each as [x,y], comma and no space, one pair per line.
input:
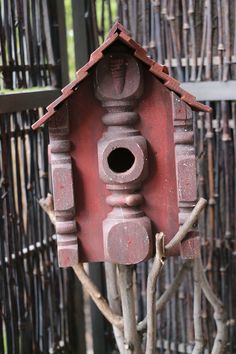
[122,159]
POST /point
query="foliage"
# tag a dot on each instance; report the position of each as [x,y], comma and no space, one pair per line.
[102,14]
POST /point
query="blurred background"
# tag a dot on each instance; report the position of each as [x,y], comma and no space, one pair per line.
[42,43]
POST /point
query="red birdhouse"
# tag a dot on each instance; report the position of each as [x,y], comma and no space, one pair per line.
[122,157]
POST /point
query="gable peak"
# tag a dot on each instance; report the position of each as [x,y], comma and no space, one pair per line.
[117,28]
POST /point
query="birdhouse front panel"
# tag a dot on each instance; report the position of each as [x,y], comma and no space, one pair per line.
[123,162]
[155,195]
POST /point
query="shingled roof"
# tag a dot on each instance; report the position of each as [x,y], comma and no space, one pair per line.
[118,32]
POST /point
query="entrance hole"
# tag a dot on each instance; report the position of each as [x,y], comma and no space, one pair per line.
[121,160]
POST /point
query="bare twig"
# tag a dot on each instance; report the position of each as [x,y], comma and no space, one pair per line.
[219,314]
[97,297]
[173,287]
[169,292]
[90,287]
[184,229]
[151,294]
[132,342]
[47,205]
[114,301]
[199,342]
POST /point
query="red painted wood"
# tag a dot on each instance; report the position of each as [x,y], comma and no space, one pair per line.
[159,190]
[156,126]
[63,191]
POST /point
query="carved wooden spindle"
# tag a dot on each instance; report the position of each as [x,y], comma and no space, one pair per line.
[185,170]
[63,191]
[123,160]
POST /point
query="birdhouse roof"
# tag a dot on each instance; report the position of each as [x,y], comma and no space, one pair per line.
[118,32]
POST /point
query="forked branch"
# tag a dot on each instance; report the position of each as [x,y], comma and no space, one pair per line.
[132,341]
[219,313]
[184,229]
[168,293]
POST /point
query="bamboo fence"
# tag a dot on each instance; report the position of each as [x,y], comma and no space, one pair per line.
[35,311]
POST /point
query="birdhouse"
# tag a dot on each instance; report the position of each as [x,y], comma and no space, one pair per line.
[122,157]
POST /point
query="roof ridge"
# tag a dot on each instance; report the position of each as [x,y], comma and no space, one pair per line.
[117,27]
[158,70]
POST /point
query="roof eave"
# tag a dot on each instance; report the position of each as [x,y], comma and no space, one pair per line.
[118,32]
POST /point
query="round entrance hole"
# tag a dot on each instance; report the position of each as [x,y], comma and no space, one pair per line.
[120,160]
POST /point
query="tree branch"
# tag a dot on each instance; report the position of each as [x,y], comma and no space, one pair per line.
[219,314]
[179,236]
[151,294]
[184,229]
[169,292]
[90,287]
[97,297]
[132,341]
[114,301]
[47,205]
[199,342]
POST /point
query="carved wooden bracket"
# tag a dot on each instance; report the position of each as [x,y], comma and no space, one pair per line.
[185,171]
[63,191]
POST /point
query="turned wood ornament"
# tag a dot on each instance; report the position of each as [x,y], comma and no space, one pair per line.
[123,158]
